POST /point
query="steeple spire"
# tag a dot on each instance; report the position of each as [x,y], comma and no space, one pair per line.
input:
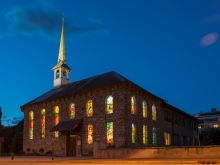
[62,51]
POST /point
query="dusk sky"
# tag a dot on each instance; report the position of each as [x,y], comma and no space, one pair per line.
[169,47]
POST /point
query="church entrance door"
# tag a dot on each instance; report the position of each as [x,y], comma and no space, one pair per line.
[73,145]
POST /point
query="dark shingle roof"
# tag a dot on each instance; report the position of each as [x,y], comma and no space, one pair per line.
[106,79]
[68,125]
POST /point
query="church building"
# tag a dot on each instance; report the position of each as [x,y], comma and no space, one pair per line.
[104,111]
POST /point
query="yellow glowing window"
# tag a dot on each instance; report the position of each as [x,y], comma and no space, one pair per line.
[133,133]
[56,119]
[31,125]
[167,138]
[90,134]
[154,113]
[43,121]
[109,105]
[144,107]
[89,108]
[154,134]
[109,132]
[72,111]
[133,105]
[145,135]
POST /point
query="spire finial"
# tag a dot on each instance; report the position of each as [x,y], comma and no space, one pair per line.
[62,52]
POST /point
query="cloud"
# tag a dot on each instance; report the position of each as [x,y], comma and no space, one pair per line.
[35,19]
[209,39]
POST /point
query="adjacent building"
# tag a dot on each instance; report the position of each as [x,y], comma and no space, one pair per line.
[107,110]
[209,119]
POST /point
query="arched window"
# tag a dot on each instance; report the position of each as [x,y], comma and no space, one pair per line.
[56,119]
[133,105]
[89,108]
[31,125]
[109,133]
[154,113]
[90,134]
[154,134]
[72,111]
[144,107]
[43,121]
[57,74]
[64,75]
[109,105]
[145,134]
[133,133]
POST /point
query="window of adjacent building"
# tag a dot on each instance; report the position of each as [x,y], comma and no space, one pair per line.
[89,108]
[109,132]
[31,125]
[167,138]
[133,105]
[133,133]
[56,119]
[57,74]
[154,113]
[90,134]
[144,107]
[154,136]
[72,111]
[109,105]
[43,122]
[145,134]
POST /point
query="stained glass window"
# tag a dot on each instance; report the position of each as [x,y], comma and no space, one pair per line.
[167,138]
[43,120]
[31,125]
[133,133]
[145,134]
[154,134]
[89,108]
[72,111]
[56,119]
[109,105]
[109,132]
[133,105]
[144,107]
[154,113]
[90,134]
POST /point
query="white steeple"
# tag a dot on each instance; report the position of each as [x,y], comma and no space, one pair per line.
[61,70]
[62,51]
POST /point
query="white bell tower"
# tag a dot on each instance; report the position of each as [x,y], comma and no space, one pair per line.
[61,70]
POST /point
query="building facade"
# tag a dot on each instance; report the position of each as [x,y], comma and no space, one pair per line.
[108,110]
[208,119]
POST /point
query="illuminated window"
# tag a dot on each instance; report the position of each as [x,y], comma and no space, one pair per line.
[90,134]
[144,107]
[57,74]
[154,134]
[56,119]
[89,108]
[154,113]
[72,111]
[145,134]
[133,105]
[133,133]
[109,105]
[43,120]
[167,138]
[31,125]
[109,132]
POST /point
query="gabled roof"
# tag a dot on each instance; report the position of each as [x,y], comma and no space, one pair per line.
[106,79]
[69,125]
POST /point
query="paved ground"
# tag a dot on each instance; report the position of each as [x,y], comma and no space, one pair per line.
[89,161]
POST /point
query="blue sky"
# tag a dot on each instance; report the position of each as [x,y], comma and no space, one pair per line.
[170,48]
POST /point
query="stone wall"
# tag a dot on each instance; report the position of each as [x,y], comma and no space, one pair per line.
[1,144]
[208,152]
